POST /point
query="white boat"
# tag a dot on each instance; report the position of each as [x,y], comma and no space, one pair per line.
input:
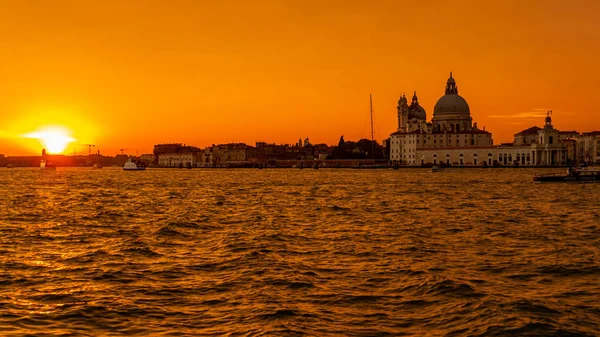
[435,169]
[96,167]
[130,165]
[47,165]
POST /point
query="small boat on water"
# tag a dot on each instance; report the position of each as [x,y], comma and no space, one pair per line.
[435,168]
[96,167]
[574,175]
[10,166]
[47,165]
[130,165]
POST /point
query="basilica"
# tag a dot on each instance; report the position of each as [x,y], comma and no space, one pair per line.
[452,139]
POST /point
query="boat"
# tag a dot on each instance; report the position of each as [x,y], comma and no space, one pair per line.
[10,166]
[574,175]
[47,165]
[435,168]
[130,165]
[96,167]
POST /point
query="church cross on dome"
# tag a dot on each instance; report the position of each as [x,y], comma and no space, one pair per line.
[548,119]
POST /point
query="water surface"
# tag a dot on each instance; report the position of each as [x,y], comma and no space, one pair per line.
[211,252]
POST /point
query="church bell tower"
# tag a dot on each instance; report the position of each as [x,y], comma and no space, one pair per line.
[402,113]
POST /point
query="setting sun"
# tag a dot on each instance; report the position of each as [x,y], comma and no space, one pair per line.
[53,138]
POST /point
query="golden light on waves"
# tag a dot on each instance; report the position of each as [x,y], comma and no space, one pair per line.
[53,138]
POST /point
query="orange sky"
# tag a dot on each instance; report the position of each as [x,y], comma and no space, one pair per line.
[133,73]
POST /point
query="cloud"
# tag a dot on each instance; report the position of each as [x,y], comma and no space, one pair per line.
[535,114]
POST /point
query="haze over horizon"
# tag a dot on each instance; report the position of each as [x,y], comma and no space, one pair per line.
[131,74]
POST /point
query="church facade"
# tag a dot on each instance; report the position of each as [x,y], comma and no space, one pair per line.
[452,139]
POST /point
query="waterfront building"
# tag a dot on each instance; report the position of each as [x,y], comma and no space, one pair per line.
[225,154]
[205,158]
[537,146]
[588,145]
[178,159]
[450,138]
[147,158]
[171,149]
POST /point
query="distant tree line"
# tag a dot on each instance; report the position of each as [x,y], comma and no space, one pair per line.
[363,149]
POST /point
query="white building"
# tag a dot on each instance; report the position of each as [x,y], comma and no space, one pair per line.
[179,159]
[539,146]
[451,138]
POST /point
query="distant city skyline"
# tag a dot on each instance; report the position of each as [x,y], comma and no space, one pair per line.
[132,74]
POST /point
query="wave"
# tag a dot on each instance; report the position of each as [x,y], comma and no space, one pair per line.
[169,231]
[448,288]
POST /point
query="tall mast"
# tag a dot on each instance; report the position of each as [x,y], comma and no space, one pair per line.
[371,102]
[372,138]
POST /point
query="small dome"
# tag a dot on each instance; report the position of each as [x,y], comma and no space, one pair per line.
[415,110]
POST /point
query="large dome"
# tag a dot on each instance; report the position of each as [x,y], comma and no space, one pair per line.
[451,105]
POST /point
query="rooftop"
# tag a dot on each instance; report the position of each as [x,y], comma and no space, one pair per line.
[531,131]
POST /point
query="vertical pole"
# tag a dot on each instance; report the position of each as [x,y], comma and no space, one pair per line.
[372,138]
[371,104]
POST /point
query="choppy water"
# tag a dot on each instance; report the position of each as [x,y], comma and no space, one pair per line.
[297,252]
